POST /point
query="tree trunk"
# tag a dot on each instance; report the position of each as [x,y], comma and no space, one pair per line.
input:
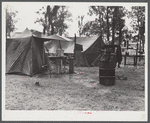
[113,28]
[107,26]
[52,31]
[114,24]
[6,31]
[139,29]
[143,42]
[113,32]
[6,23]
[120,35]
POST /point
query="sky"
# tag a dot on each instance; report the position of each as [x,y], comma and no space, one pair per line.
[26,14]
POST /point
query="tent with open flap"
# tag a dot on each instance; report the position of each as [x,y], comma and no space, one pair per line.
[88,49]
[25,52]
[64,43]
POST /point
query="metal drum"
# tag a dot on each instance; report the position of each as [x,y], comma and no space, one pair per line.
[107,69]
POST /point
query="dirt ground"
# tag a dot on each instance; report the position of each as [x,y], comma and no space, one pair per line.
[79,91]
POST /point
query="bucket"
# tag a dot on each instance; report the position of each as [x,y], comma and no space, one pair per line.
[60,52]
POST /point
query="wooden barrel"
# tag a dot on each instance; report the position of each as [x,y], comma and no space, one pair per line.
[107,69]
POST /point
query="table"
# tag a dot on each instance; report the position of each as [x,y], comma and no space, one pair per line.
[58,60]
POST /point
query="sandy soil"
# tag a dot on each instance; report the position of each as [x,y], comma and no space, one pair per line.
[79,91]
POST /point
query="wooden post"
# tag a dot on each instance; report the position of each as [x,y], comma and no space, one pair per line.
[71,66]
[134,57]
[74,46]
[125,60]
[136,53]
[61,64]
[143,42]
[127,45]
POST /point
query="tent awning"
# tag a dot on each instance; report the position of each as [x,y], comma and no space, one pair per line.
[57,37]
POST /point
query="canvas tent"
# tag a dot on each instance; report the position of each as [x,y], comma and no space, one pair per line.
[37,33]
[25,53]
[66,44]
[91,49]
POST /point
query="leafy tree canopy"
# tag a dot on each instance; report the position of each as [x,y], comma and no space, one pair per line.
[10,21]
[107,17]
[53,19]
[137,14]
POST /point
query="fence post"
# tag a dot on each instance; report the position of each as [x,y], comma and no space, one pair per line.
[125,60]
[136,53]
